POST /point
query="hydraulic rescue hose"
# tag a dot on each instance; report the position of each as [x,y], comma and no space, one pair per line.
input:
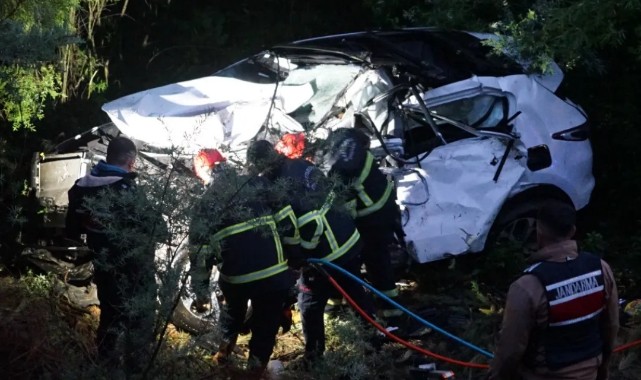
[624,347]
[409,345]
[401,307]
[392,336]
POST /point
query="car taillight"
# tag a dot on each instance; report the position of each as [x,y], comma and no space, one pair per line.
[580,133]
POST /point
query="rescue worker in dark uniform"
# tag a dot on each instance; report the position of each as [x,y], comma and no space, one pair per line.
[372,198]
[120,275]
[326,232]
[236,227]
[561,316]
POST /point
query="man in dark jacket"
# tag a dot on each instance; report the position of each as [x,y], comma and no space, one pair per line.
[236,227]
[561,316]
[373,200]
[122,272]
[326,232]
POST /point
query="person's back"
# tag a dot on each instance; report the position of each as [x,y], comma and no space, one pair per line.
[124,270]
[314,202]
[245,235]
[326,231]
[373,200]
[561,315]
[103,178]
[241,235]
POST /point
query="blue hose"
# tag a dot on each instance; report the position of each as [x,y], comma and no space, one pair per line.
[401,307]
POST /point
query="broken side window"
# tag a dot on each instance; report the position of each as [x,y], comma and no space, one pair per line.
[456,121]
[481,112]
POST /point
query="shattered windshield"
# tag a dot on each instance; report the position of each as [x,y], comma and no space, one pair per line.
[327,82]
[308,89]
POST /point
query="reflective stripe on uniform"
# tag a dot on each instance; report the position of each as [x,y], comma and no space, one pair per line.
[379,204]
[288,212]
[360,189]
[255,276]
[370,205]
[281,263]
[344,248]
[324,228]
[244,226]
[290,240]
[577,320]
[575,299]
[317,216]
[312,216]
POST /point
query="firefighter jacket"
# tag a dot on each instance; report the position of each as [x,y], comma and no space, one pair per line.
[326,230]
[245,243]
[560,318]
[370,191]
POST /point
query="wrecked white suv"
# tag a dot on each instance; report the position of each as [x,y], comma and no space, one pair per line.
[474,144]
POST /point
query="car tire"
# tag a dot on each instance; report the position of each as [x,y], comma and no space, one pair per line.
[185,317]
[516,224]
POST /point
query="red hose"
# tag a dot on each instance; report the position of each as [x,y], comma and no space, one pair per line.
[394,337]
[420,349]
[627,345]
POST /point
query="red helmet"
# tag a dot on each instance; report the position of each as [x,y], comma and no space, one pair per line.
[205,161]
[291,145]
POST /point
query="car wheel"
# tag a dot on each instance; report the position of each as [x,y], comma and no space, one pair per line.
[516,225]
[185,316]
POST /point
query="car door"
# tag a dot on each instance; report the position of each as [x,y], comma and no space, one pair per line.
[452,189]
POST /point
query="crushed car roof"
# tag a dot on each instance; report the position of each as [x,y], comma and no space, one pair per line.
[439,56]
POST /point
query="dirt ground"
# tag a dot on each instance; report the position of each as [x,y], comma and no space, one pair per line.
[48,336]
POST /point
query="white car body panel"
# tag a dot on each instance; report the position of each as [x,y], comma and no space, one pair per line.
[571,169]
[201,113]
[462,198]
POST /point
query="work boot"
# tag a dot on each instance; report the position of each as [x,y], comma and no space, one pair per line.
[255,367]
[333,308]
[225,349]
[392,317]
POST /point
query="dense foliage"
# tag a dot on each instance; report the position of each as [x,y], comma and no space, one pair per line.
[60,60]
[59,57]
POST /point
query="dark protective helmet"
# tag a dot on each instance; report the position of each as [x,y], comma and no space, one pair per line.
[346,148]
[261,155]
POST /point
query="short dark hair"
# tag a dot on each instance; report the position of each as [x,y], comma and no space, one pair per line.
[120,150]
[559,219]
